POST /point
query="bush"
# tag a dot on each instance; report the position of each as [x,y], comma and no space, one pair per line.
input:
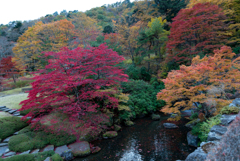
[142,98]
[28,140]
[10,125]
[20,83]
[41,156]
[137,73]
[194,116]
[229,110]
[228,147]
[25,112]
[202,129]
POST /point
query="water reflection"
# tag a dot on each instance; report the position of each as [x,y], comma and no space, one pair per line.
[147,140]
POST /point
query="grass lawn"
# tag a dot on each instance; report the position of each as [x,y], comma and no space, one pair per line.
[13,101]
[13,91]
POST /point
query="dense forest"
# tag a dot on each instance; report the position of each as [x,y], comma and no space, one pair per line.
[105,67]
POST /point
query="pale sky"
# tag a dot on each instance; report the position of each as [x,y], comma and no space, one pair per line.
[13,10]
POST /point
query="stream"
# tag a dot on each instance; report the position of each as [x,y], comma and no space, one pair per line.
[147,140]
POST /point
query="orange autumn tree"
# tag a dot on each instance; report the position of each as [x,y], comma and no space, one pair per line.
[207,78]
[41,37]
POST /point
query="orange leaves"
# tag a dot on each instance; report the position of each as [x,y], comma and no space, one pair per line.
[206,78]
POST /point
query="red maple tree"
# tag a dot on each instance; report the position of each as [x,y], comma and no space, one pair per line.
[196,31]
[7,68]
[71,83]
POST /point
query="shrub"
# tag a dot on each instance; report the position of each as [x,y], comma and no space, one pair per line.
[29,140]
[194,116]
[142,98]
[230,110]
[56,157]
[21,83]
[202,129]
[137,73]
[10,125]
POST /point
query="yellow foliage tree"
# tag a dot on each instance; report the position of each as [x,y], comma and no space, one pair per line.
[41,37]
[206,78]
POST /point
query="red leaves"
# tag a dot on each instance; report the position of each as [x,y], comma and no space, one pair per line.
[71,81]
[7,68]
[195,31]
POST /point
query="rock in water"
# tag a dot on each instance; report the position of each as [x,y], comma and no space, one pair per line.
[155,117]
[192,139]
[170,125]
[80,149]
[110,134]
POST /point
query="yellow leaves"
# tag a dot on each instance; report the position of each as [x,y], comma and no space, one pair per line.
[123,107]
[159,19]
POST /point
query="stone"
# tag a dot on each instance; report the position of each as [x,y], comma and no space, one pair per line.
[212,136]
[219,129]
[3,150]
[7,150]
[48,148]
[192,139]
[155,117]
[129,123]
[67,155]
[26,152]
[117,127]
[227,119]
[192,123]
[6,140]
[197,155]
[2,107]
[16,112]
[235,103]
[61,149]
[47,159]
[110,134]
[170,125]
[35,151]
[12,111]
[96,150]
[9,154]
[3,144]
[16,133]
[80,149]
[6,110]
[207,146]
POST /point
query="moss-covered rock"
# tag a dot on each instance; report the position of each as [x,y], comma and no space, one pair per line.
[129,123]
[96,150]
[110,134]
[117,127]
[80,149]
[192,123]
[155,117]
[10,125]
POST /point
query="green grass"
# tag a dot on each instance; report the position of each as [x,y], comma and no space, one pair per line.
[13,101]
[32,157]
[10,125]
[27,139]
[4,114]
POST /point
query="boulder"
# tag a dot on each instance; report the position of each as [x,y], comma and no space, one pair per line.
[35,151]
[192,123]
[26,152]
[207,146]
[197,155]
[219,129]
[155,117]
[235,103]
[61,149]
[110,134]
[67,155]
[129,123]
[170,125]
[3,150]
[48,148]
[227,119]
[192,139]
[96,149]
[80,149]
[117,127]
[9,154]
[212,136]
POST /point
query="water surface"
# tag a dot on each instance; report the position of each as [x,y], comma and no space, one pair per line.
[147,140]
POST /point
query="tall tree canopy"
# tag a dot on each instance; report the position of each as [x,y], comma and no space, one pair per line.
[196,31]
